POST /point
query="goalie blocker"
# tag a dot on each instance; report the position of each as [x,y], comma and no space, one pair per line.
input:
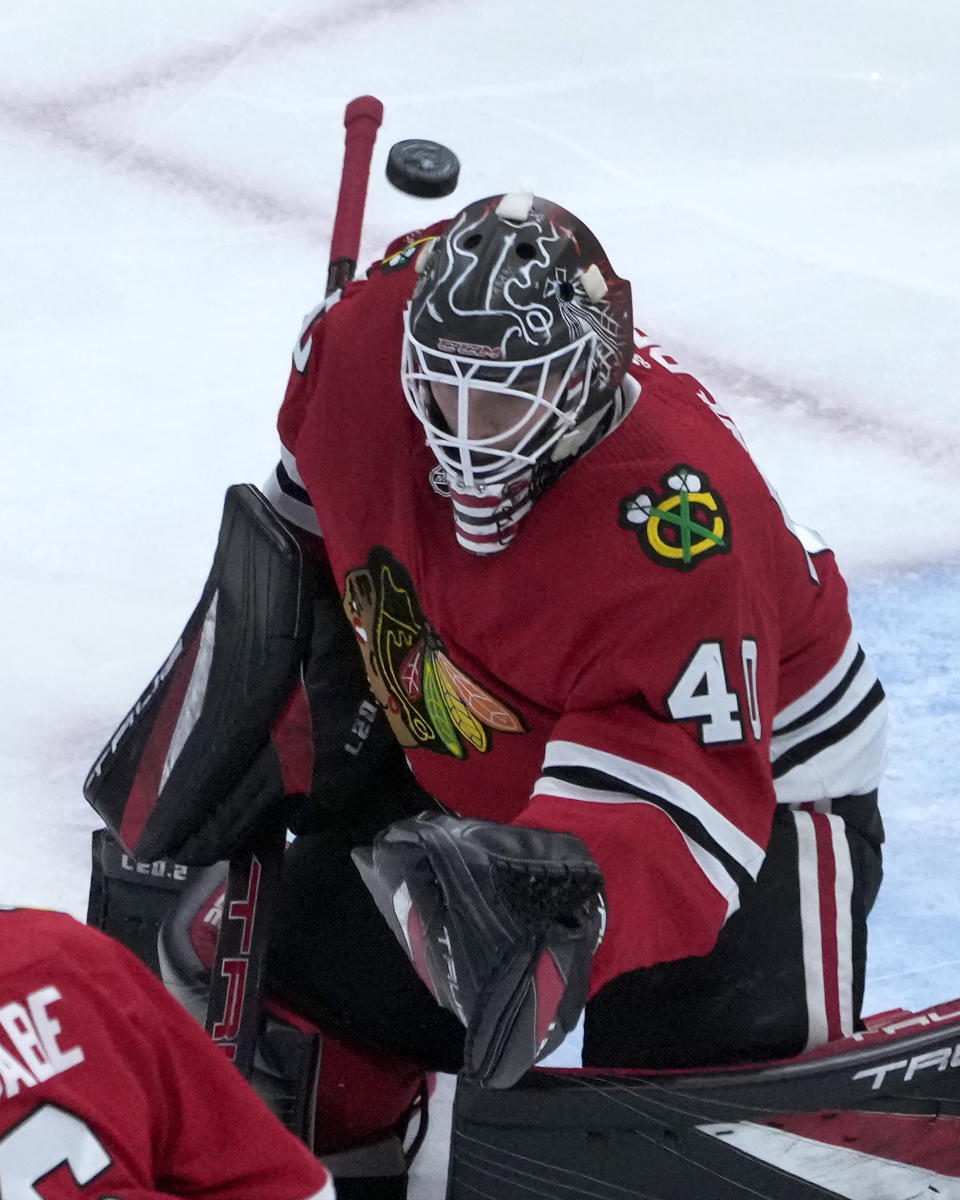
[501,922]
[191,772]
[222,738]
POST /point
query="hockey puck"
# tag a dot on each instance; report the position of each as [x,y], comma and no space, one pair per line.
[422,168]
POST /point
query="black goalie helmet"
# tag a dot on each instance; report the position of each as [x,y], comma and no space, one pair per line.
[516,341]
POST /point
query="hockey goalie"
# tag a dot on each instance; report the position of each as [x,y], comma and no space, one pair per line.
[568,718]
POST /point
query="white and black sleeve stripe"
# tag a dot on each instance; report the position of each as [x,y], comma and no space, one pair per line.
[727,856]
[285,491]
[829,742]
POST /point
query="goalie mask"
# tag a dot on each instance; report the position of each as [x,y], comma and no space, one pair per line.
[516,341]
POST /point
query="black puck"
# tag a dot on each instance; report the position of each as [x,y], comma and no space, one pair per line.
[422,168]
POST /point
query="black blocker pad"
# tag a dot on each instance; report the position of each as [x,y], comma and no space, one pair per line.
[165,779]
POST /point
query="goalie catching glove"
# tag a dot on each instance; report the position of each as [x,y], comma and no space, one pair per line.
[501,923]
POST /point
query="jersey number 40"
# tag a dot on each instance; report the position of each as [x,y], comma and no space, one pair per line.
[702,693]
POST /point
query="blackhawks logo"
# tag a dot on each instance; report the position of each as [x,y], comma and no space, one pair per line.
[429,701]
[682,526]
[404,256]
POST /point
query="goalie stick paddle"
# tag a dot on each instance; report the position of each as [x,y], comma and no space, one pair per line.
[233,1006]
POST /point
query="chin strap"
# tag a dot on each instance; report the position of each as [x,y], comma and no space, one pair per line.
[486,518]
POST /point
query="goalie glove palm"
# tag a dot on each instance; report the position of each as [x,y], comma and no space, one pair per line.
[501,922]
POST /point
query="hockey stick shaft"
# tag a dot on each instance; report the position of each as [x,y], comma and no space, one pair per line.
[361,121]
[253,878]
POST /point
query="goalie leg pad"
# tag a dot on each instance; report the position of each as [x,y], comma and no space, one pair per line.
[870,1116]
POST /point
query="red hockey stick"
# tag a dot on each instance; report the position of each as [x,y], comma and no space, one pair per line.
[233,1006]
[361,121]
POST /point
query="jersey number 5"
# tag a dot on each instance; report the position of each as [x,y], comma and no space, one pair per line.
[702,693]
[47,1139]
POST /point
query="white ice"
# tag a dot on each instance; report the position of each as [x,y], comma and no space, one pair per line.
[780,182]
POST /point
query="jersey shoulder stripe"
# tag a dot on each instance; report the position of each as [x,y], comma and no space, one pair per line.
[286,492]
[829,742]
[595,787]
[629,777]
[723,872]
[831,682]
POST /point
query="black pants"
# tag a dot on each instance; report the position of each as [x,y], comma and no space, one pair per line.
[767,989]
[754,996]
[336,961]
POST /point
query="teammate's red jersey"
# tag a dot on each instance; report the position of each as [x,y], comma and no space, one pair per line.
[109,1088]
[657,659]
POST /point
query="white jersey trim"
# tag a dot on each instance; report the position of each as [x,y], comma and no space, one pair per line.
[196,691]
[852,766]
[837,761]
[290,466]
[717,875]
[857,689]
[812,871]
[742,848]
[285,490]
[821,689]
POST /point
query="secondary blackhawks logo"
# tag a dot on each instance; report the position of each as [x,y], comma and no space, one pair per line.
[684,525]
[404,256]
[429,701]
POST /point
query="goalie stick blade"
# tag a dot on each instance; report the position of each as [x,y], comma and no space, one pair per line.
[422,168]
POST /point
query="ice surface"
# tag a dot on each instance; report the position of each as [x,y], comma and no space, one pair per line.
[781,185]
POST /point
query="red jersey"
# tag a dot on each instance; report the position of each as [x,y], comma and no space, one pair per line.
[109,1088]
[657,659]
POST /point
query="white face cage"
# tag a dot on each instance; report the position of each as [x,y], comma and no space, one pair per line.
[554,388]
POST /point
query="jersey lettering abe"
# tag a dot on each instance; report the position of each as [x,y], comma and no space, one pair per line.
[109,1088]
